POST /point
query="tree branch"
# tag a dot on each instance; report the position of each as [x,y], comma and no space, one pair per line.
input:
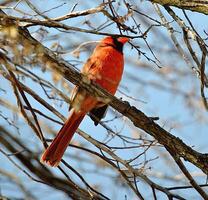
[200,6]
[42,174]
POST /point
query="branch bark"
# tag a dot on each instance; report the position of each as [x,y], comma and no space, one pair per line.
[200,6]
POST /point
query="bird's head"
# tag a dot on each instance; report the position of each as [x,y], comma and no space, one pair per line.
[116,42]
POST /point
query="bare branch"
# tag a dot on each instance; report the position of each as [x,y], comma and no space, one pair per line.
[193,5]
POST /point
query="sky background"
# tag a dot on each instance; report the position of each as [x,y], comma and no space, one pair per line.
[175,113]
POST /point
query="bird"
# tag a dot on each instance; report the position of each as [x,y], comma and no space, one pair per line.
[104,68]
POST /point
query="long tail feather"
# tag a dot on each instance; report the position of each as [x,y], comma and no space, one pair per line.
[53,154]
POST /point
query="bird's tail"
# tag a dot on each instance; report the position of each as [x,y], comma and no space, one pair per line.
[53,154]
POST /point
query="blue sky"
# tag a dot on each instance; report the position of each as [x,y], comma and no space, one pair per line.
[174,111]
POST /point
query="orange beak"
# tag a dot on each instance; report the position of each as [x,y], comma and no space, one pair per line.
[123,40]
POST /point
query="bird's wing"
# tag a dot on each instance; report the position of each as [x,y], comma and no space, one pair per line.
[89,65]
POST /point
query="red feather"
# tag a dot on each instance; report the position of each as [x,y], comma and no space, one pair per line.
[104,67]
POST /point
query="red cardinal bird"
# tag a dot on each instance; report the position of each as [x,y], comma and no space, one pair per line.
[105,68]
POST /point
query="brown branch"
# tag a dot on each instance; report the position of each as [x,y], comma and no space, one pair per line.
[188,176]
[202,46]
[42,174]
[16,180]
[110,162]
[55,24]
[200,6]
[38,128]
[36,97]
[97,9]
[129,168]
[185,187]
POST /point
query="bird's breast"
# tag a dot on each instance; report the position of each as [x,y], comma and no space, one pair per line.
[108,70]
